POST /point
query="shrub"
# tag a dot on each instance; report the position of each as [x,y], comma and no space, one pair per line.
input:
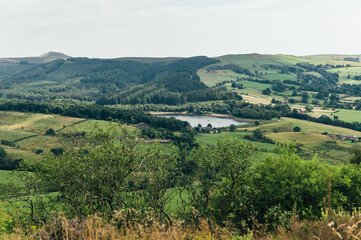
[57,151]
[297,129]
[3,152]
[50,132]
[39,151]
[8,143]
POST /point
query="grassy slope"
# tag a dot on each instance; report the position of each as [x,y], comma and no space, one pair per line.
[349,115]
[15,126]
[311,140]
[287,125]
[344,72]
[257,62]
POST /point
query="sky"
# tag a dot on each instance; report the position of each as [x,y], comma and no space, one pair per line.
[159,28]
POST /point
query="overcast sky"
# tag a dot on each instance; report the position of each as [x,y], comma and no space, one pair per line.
[118,28]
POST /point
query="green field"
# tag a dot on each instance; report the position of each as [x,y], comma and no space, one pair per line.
[27,131]
[255,85]
[280,76]
[344,72]
[311,140]
[287,125]
[348,115]
[212,77]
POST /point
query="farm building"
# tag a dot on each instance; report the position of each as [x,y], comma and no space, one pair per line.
[141,125]
[348,137]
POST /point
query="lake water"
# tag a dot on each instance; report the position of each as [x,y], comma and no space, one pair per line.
[194,120]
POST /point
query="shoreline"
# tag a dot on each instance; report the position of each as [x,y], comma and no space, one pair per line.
[208,114]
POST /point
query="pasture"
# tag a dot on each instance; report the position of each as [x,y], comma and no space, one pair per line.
[348,115]
[287,125]
[344,72]
[280,76]
[27,132]
[212,77]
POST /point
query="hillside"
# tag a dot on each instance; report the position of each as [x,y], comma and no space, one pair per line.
[324,82]
[11,66]
[109,81]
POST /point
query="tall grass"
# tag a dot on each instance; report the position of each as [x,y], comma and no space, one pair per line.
[127,224]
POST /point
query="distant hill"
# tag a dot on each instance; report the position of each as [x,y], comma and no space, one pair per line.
[151,59]
[44,58]
[11,66]
[108,81]
[174,80]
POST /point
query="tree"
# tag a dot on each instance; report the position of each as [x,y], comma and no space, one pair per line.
[3,152]
[266,91]
[305,96]
[297,129]
[57,151]
[356,157]
[232,128]
[93,177]
[159,177]
[256,123]
[280,185]
[220,179]
[309,108]
[50,132]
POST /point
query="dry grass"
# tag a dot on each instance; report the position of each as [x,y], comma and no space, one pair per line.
[131,225]
[333,226]
[127,224]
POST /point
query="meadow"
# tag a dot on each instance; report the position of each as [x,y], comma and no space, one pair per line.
[348,115]
[344,72]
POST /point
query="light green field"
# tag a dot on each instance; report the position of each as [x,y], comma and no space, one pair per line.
[310,140]
[16,127]
[89,125]
[349,115]
[305,138]
[211,139]
[12,117]
[316,74]
[34,123]
[333,59]
[212,77]
[255,85]
[12,135]
[287,125]
[265,149]
[280,76]
[343,72]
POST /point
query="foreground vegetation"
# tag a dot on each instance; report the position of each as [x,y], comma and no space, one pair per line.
[108,185]
[84,171]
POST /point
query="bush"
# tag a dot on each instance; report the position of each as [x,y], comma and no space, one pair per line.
[3,152]
[9,164]
[39,151]
[232,128]
[8,143]
[297,129]
[50,132]
[57,151]
[256,123]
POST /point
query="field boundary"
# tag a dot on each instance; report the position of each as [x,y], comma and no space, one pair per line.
[20,139]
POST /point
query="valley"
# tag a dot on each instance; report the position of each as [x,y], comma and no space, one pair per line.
[173,134]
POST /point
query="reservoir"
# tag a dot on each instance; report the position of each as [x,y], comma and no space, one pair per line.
[194,120]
